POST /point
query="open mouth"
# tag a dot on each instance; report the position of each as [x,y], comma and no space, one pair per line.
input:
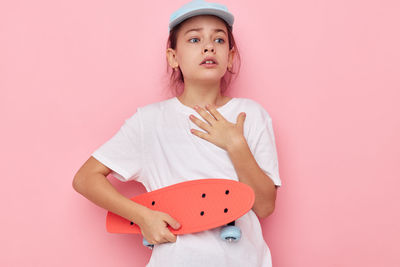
[209,61]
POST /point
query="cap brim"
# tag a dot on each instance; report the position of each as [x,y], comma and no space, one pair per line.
[204,11]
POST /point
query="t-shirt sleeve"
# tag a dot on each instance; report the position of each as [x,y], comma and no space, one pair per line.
[123,152]
[265,152]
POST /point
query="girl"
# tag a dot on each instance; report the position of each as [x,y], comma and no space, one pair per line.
[199,134]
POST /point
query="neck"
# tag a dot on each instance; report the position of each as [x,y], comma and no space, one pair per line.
[201,94]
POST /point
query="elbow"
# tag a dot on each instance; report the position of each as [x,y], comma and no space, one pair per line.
[78,183]
[266,212]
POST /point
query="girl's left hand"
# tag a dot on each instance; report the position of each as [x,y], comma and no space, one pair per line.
[219,131]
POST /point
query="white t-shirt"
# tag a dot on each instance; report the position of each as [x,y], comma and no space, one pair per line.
[156,148]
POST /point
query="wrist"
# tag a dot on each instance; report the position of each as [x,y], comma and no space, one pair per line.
[237,144]
[139,213]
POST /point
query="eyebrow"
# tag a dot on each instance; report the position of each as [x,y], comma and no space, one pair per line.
[200,29]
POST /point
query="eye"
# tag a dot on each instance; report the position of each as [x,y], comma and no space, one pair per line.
[193,39]
[222,40]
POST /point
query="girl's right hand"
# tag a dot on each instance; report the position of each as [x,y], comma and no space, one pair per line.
[154,227]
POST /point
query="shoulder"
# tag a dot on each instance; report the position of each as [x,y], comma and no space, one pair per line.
[148,114]
[156,106]
[152,109]
[253,109]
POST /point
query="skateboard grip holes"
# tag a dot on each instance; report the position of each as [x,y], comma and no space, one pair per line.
[153,203]
[226,192]
[202,213]
[225,210]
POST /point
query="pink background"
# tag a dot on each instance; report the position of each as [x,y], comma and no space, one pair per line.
[328,72]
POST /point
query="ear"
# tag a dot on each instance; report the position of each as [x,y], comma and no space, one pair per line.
[230,58]
[171,57]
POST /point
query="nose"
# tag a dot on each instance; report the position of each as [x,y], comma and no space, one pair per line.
[209,47]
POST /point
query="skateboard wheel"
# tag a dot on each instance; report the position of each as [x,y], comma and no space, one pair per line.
[231,233]
[147,244]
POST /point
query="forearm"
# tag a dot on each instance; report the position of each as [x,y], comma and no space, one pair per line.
[251,174]
[101,192]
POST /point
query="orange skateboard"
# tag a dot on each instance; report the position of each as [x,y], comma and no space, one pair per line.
[198,205]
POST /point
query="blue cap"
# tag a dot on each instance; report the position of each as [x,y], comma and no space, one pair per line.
[200,7]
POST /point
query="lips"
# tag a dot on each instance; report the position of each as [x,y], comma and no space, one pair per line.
[214,61]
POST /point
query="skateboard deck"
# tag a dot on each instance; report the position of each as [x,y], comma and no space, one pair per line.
[198,205]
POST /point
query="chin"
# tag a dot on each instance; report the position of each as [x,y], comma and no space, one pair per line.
[211,76]
[208,76]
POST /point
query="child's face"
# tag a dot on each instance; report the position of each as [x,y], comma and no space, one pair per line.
[194,46]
